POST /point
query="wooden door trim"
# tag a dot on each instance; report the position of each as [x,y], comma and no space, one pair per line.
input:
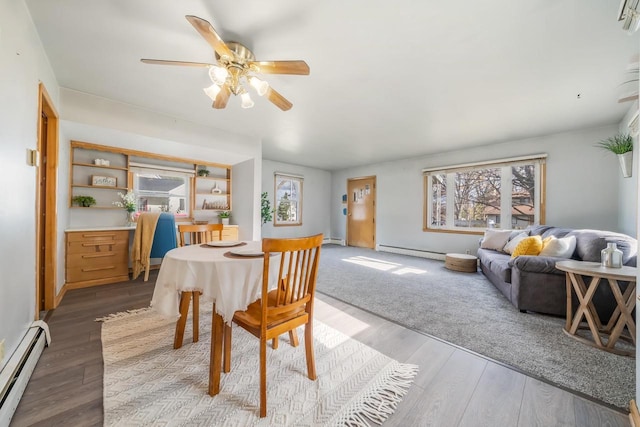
[375,222]
[46,106]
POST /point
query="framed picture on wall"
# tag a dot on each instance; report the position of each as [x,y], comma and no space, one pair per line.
[104,181]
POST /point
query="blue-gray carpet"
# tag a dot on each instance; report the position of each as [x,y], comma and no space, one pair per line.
[465,309]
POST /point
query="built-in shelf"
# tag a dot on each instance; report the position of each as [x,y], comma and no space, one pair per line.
[212,194]
[91,165]
[122,166]
[99,187]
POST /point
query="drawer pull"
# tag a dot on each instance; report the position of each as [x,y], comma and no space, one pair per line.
[99,255]
[99,244]
[99,235]
[86,270]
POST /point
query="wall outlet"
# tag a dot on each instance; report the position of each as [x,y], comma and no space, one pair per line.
[468,252]
[1,351]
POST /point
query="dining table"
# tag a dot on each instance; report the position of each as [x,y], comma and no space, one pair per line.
[229,274]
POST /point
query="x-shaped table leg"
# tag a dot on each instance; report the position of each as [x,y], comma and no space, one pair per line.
[586,308]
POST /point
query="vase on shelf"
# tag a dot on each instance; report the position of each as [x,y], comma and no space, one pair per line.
[131,218]
[611,256]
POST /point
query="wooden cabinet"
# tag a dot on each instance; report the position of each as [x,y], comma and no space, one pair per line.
[96,257]
[230,232]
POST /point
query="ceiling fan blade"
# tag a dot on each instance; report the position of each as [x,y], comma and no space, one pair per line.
[281,67]
[182,63]
[280,101]
[222,98]
[206,30]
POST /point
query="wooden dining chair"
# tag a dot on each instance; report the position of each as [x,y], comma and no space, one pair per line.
[192,234]
[285,308]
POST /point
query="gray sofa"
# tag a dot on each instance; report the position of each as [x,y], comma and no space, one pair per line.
[532,283]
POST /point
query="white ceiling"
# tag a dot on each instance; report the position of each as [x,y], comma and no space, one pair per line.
[389,80]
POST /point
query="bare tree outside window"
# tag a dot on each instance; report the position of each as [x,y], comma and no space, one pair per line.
[478,199]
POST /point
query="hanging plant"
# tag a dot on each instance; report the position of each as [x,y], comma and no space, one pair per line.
[621,145]
[618,144]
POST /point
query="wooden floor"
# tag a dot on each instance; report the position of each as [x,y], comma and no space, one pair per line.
[453,388]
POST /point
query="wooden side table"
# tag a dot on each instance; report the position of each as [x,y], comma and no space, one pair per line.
[461,262]
[621,316]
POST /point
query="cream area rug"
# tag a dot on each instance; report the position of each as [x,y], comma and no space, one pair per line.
[148,383]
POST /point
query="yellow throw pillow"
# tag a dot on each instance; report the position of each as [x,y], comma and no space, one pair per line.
[531,245]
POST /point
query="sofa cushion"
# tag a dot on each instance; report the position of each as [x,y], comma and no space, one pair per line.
[511,244]
[556,232]
[589,244]
[562,248]
[538,230]
[495,239]
[501,268]
[536,264]
[531,245]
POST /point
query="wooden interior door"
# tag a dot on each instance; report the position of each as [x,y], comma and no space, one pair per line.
[361,212]
[46,177]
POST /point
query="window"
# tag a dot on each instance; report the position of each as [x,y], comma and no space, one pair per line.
[288,206]
[162,189]
[500,194]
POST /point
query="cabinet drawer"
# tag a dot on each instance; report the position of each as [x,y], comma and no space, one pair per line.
[97,247]
[98,259]
[87,272]
[97,236]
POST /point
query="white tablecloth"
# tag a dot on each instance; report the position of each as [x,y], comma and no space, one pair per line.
[233,283]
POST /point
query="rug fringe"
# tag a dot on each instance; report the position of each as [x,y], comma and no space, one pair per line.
[121,314]
[381,401]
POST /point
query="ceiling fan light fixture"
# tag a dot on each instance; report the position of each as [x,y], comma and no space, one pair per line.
[247,102]
[218,75]
[259,85]
[212,91]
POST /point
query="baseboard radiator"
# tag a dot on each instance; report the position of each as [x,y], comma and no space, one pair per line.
[413,252]
[16,373]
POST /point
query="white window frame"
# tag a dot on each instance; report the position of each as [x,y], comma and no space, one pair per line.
[277,177]
[186,174]
[538,160]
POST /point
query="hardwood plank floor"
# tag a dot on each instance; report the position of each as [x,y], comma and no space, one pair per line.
[453,387]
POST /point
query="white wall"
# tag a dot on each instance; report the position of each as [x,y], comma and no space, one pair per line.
[23,64]
[245,201]
[627,200]
[316,200]
[582,189]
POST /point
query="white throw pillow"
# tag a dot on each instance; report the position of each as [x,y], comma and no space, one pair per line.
[511,245]
[495,239]
[561,248]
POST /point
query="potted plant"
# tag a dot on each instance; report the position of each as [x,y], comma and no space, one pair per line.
[224,217]
[203,171]
[265,208]
[84,201]
[621,145]
[129,204]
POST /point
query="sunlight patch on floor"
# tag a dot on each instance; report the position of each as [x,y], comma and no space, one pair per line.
[409,270]
[383,265]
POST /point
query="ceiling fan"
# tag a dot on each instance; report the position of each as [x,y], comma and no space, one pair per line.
[236,67]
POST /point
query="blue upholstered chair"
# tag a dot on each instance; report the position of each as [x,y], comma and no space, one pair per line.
[164,239]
